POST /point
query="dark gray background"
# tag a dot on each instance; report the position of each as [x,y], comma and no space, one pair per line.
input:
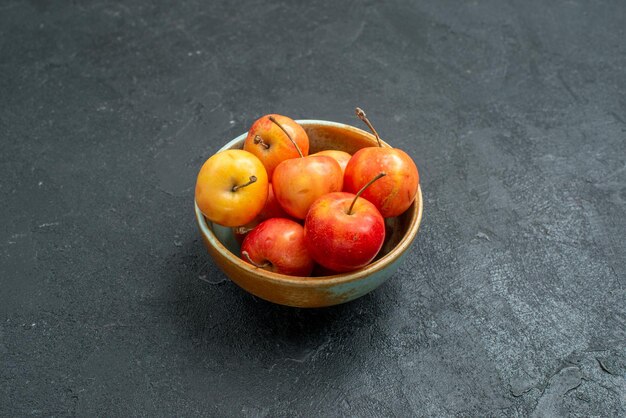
[512,302]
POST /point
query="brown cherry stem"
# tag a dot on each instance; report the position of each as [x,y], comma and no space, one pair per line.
[361,114]
[288,136]
[252,180]
[259,140]
[379,175]
[247,256]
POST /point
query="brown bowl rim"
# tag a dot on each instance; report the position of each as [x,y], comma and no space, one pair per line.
[301,281]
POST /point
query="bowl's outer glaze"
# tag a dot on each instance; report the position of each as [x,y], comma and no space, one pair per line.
[315,291]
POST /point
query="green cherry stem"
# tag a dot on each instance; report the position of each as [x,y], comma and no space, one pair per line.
[378,176]
[361,114]
[237,187]
[288,136]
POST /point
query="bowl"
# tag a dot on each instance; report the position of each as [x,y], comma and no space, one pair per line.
[320,291]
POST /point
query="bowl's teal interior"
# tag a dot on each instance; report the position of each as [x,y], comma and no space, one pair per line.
[226,236]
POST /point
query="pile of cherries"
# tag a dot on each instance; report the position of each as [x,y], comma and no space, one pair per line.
[292,210]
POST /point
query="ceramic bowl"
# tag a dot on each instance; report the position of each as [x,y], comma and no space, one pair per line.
[322,290]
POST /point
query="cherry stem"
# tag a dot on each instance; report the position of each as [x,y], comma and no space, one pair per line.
[379,175]
[243,229]
[259,140]
[288,136]
[247,256]
[252,180]
[361,114]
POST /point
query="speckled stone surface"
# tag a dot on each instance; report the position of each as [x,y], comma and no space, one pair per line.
[512,302]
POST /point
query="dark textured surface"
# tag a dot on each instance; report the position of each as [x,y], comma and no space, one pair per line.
[512,302]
